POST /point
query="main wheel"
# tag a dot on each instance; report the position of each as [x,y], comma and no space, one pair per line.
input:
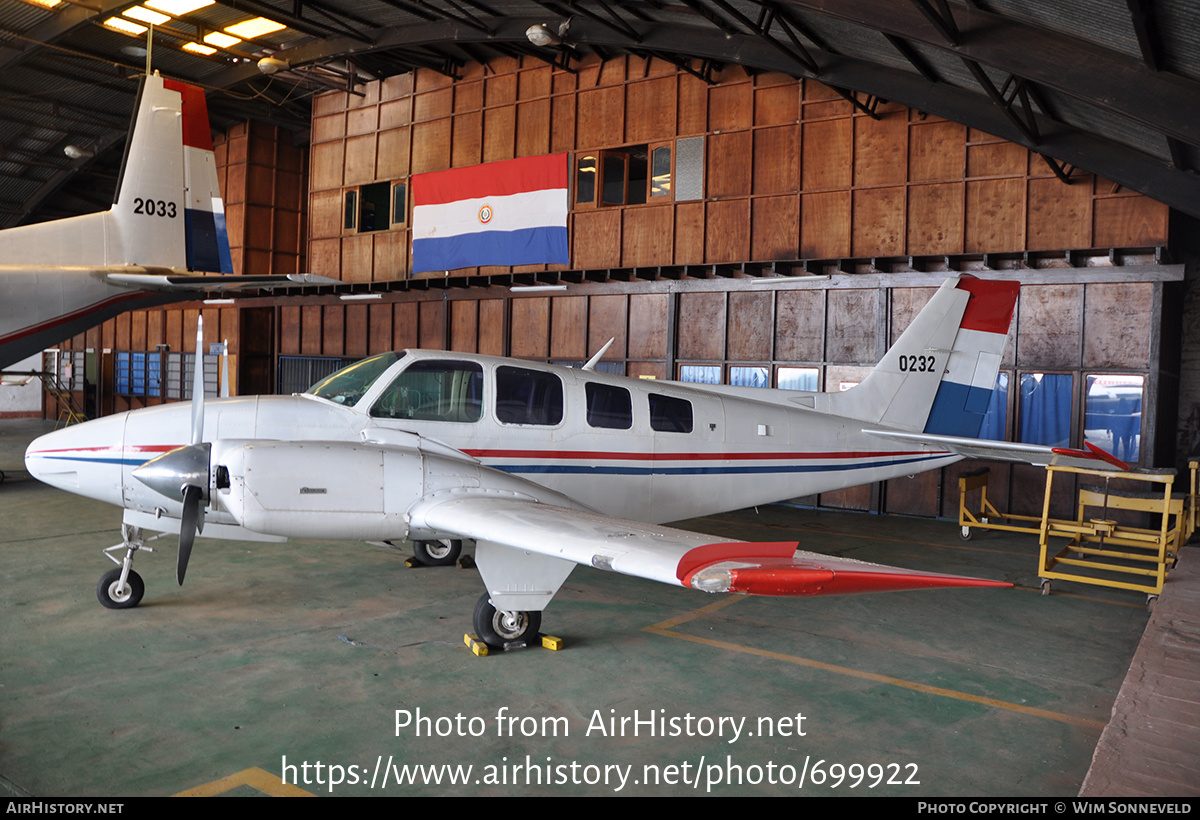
[113,597]
[496,627]
[437,553]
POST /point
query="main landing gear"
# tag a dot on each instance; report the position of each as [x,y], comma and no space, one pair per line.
[505,630]
[441,553]
[122,588]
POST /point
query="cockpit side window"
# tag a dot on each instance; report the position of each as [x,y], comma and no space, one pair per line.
[528,396]
[669,414]
[609,407]
[348,385]
[434,390]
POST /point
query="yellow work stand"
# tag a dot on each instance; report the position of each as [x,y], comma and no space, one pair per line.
[1102,551]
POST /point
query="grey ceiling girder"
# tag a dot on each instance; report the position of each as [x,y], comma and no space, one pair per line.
[1123,85]
[1141,13]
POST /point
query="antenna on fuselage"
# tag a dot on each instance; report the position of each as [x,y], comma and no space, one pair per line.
[591,363]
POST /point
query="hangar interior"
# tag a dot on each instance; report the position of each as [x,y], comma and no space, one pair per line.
[761,194]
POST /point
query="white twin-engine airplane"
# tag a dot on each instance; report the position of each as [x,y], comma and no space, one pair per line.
[61,278]
[546,467]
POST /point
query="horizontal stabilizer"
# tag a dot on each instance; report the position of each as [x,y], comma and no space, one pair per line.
[182,282]
[1040,455]
[808,574]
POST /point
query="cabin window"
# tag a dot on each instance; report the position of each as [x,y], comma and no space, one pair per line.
[350,384]
[434,390]
[669,414]
[528,396]
[609,407]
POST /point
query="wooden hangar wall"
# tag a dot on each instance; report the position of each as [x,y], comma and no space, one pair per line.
[763,170]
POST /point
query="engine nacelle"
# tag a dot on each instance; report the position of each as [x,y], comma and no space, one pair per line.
[322,489]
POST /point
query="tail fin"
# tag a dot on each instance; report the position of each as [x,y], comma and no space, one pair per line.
[167,212]
[939,376]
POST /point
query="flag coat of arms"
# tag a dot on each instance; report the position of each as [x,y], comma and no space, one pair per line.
[501,213]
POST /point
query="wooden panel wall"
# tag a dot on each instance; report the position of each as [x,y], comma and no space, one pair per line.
[791,170]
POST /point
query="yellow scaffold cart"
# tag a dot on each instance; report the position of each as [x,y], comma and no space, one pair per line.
[1103,552]
[1099,549]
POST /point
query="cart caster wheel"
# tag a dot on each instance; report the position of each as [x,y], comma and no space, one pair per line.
[1045,587]
[1151,600]
[965,533]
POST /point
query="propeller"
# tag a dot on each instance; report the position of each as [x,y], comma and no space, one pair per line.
[183,473]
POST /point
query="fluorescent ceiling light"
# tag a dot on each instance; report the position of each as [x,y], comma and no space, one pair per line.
[47,3]
[126,26]
[535,288]
[221,40]
[178,8]
[146,15]
[255,27]
[359,297]
[199,48]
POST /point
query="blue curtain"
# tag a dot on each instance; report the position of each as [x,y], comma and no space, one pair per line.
[1046,409]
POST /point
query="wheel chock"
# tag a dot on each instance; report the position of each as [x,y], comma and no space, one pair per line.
[412,563]
[552,642]
[466,562]
[475,645]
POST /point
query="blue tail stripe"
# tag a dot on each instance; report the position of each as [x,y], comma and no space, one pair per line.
[958,410]
[207,242]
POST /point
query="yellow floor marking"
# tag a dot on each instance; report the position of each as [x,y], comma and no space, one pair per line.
[665,628]
[255,778]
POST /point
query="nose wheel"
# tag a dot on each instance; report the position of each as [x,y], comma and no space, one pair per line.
[501,629]
[116,592]
[122,588]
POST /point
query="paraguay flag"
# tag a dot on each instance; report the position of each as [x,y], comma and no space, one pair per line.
[502,213]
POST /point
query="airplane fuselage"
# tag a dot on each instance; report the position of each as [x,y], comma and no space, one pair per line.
[541,424]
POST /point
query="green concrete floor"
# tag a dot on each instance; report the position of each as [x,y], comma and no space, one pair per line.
[210,687]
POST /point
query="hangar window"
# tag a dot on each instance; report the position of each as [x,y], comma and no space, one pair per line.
[1045,408]
[298,373]
[744,376]
[624,176]
[609,407]
[351,210]
[1113,414]
[434,390]
[526,396]
[374,206]
[669,414]
[138,374]
[799,378]
[399,203]
[700,373]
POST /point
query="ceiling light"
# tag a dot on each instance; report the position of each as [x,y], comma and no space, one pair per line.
[221,40]
[126,26]
[198,48]
[255,27]
[47,3]
[75,152]
[272,65]
[541,35]
[178,8]
[146,15]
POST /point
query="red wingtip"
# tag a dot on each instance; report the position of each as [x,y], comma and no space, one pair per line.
[797,581]
[1107,456]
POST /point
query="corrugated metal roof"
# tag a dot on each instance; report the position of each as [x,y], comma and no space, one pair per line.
[1112,87]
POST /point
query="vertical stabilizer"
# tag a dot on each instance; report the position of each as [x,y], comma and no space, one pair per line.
[940,374]
[167,212]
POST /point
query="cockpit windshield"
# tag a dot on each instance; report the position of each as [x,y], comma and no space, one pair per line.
[348,385]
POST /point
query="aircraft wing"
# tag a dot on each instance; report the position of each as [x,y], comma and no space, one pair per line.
[1040,455]
[200,282]
[671,556]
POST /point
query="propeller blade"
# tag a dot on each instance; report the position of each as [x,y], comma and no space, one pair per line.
[190,522]
[198,385]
